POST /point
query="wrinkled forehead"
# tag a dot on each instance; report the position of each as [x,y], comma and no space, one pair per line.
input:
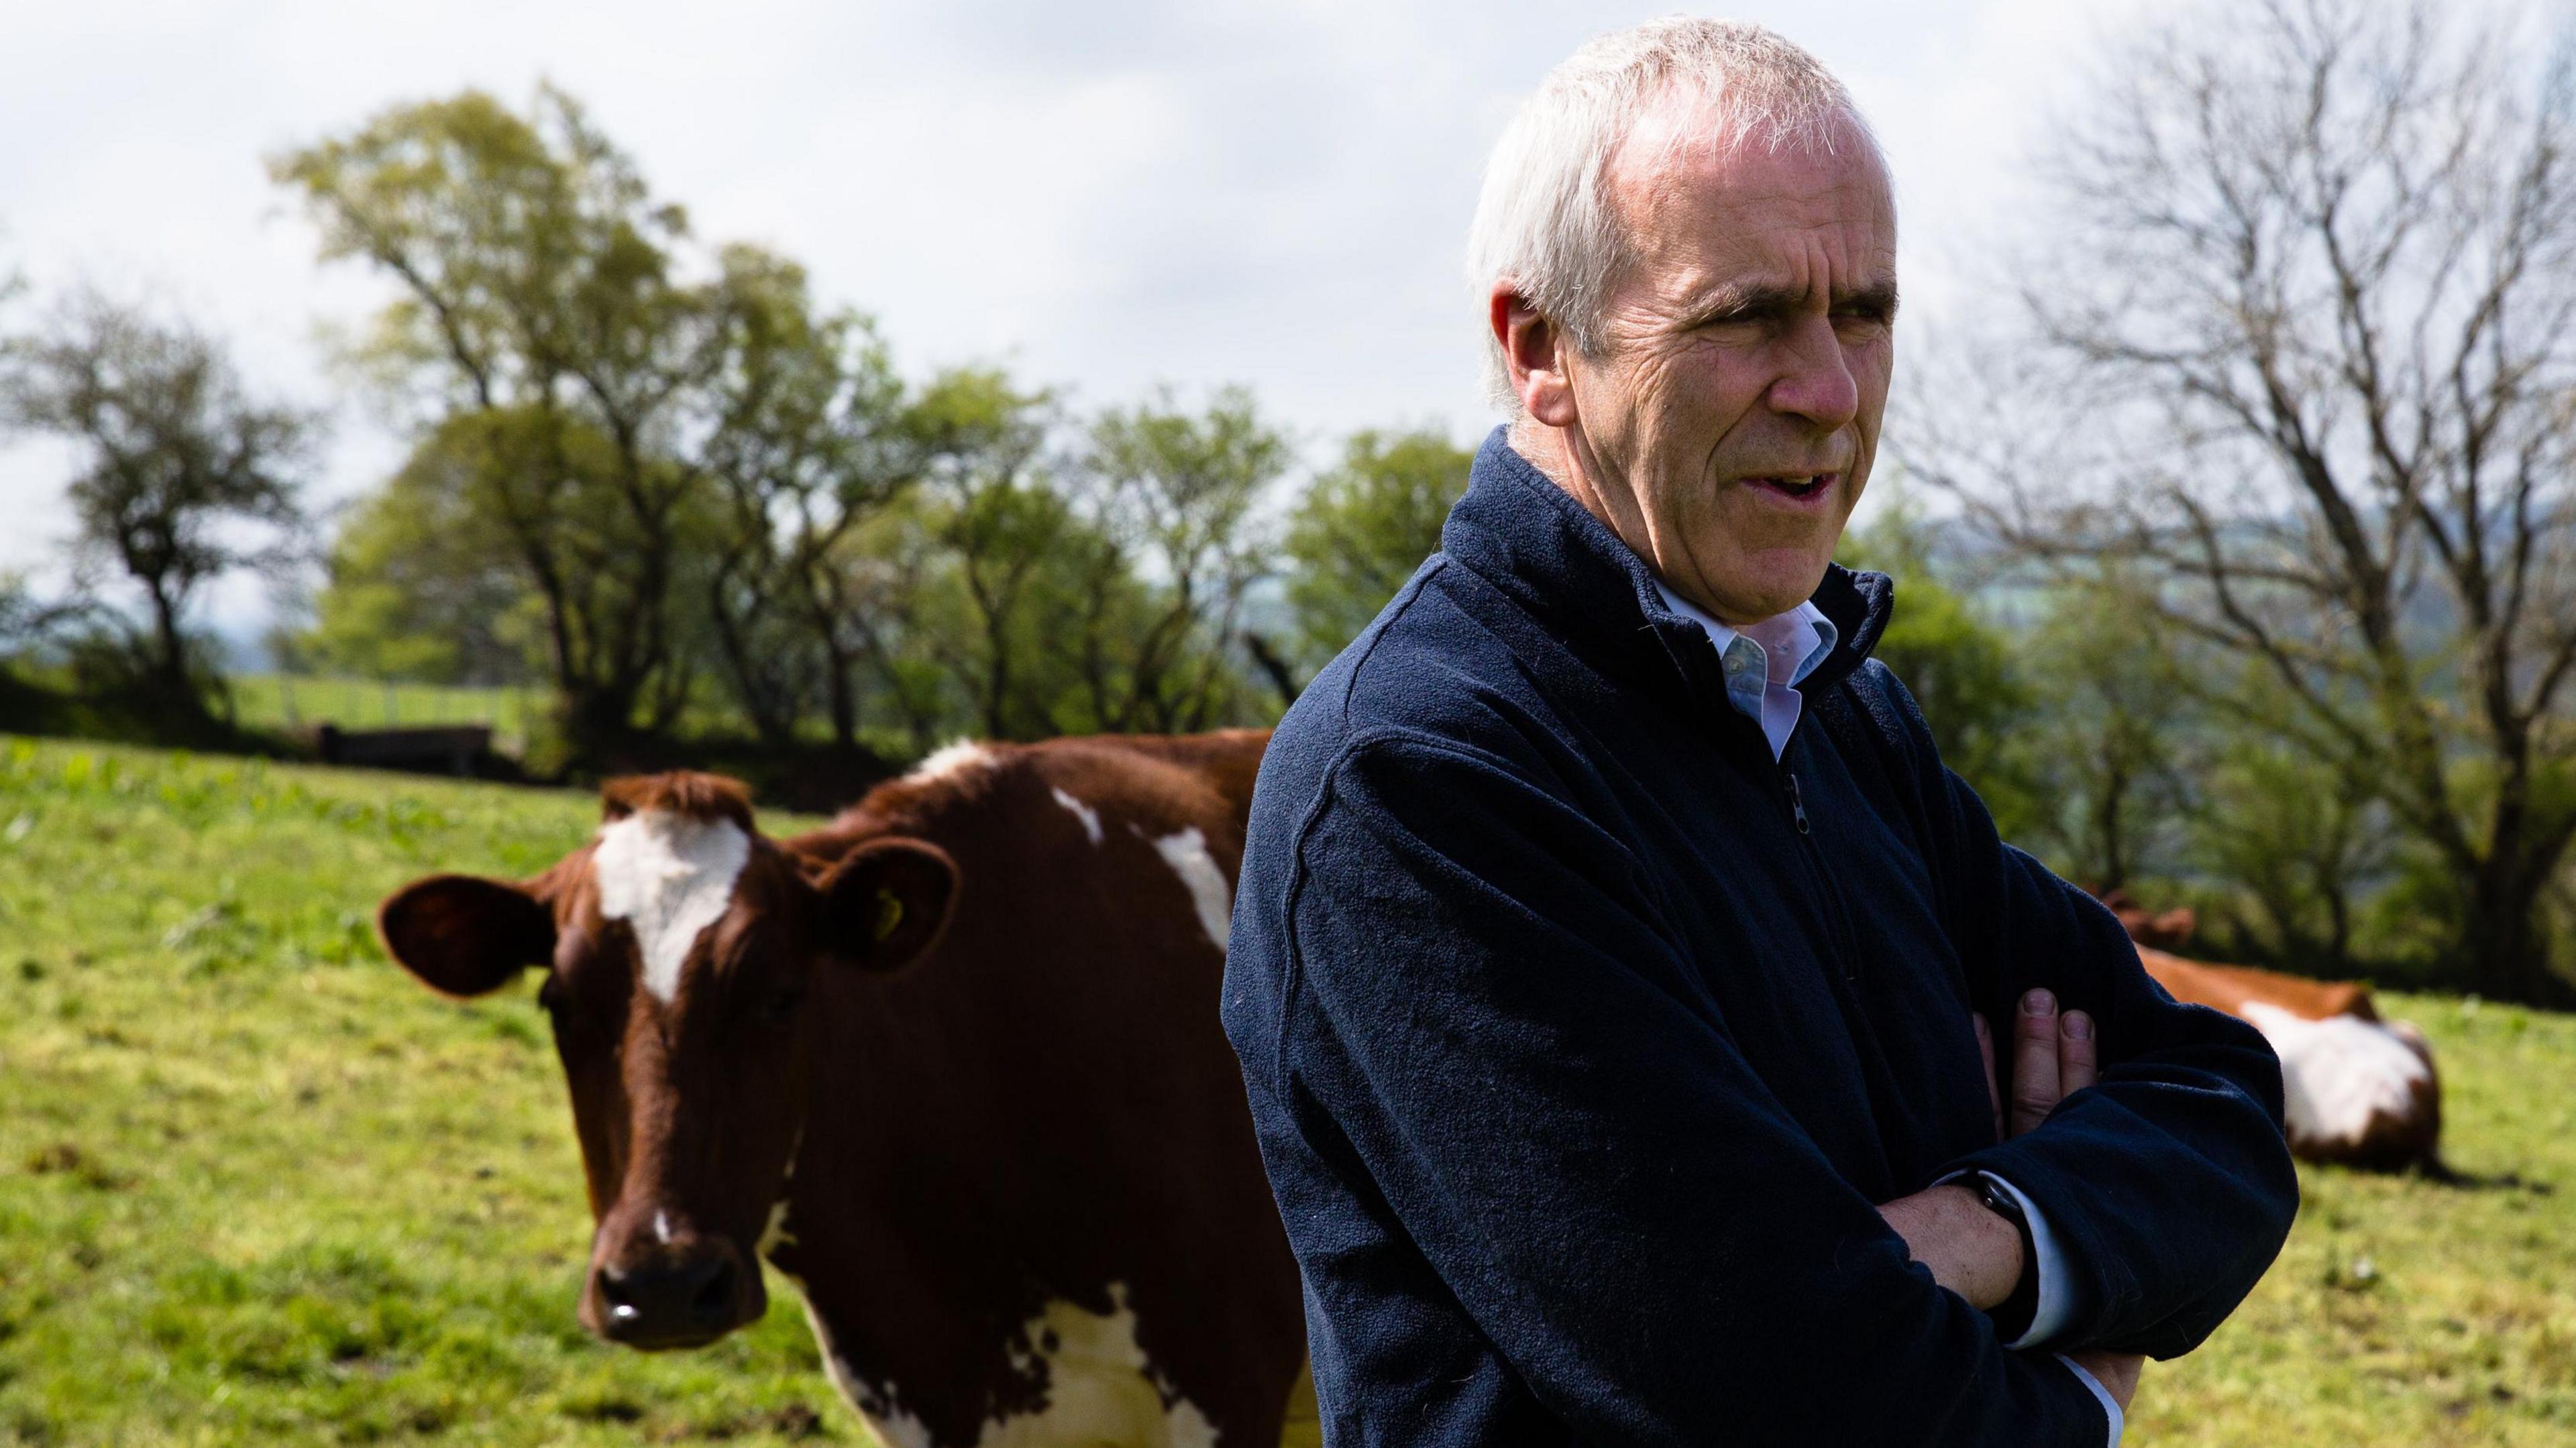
[670,876]
[1684,174]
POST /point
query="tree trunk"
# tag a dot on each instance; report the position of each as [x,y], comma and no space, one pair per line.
[2504,939]
[168,670]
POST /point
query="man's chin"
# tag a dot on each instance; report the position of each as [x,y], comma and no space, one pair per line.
[1752,601]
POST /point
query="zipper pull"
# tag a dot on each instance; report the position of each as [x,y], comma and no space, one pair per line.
[1797,806]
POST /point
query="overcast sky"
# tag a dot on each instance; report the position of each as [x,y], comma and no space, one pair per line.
[1104,196]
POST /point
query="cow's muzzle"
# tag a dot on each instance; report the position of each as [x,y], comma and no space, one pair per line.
[685,1296]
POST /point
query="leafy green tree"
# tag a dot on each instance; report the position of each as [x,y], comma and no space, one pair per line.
[2298,850]
[1959,665]
[177,457]
[992,513]
[544,321]
[2105,750]
[810,438]
[1172,497]
[422,583]
[1361,530]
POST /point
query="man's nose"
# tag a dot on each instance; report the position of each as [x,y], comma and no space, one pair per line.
[1816,381]
[670,1299]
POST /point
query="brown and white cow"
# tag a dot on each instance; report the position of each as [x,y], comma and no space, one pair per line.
[2356,1089]
[951,1063]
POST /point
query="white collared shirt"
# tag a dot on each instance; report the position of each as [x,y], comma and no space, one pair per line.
[1765,661]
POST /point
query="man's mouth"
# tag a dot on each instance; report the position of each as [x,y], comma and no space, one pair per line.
[1796,486]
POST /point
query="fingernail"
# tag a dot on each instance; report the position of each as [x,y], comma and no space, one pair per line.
[2038,1003]
[2078,1026]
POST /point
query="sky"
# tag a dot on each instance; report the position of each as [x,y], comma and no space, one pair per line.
[1106,197]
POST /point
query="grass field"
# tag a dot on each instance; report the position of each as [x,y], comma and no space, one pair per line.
[289,701]
[257,1187]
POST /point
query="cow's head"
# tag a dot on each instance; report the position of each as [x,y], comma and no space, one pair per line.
[680,948]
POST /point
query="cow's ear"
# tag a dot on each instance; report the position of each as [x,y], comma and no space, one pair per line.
[888,902]
[465,936]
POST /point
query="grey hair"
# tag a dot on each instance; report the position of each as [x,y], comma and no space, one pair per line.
[1545,224]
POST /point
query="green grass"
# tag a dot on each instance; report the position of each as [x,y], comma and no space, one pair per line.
[2406,1312]
[257,1187]
[285,701]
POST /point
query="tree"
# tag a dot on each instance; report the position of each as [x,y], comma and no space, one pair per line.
[544,321]
[1362,529]
[2300,847]
[810,438]
[1177,543]
[1959,665]
[178,459]
[992,514]
[2311,290]
[420,582]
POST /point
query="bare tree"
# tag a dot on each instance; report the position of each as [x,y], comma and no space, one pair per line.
[177,458]
[2307,311]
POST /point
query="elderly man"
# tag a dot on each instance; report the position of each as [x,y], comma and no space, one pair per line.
[1613,954]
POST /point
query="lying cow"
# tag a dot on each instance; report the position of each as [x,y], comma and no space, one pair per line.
[950,1063]
[2358,1090]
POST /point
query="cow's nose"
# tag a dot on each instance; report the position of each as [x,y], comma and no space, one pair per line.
[669,1301]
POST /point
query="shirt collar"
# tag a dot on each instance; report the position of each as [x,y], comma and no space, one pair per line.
[1778,636]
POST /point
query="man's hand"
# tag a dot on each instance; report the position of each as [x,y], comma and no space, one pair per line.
[2054,1056]
[1970,1250]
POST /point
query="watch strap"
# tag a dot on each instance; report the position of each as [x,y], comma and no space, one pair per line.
[2012,1316]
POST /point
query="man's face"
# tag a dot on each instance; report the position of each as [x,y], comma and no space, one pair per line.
[1730,423]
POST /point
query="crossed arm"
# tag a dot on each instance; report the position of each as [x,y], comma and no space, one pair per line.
[1456,933]
[1969,1249]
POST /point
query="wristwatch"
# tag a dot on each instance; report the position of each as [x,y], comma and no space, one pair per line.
[2012,1316]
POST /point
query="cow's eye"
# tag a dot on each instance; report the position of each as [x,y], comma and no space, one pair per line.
[550,997]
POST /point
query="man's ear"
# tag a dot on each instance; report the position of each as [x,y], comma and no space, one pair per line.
[465,936]
[1534,349]
[888,902]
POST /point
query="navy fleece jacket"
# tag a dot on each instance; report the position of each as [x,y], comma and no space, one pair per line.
[1578,1060]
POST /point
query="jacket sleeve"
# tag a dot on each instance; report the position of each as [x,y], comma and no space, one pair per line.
[1482,1012]
[2169,1184]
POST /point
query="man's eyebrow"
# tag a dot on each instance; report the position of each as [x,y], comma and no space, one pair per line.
[1746,301]
[1741,302]
[1877,297]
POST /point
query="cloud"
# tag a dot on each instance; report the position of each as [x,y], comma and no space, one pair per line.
[1106,196]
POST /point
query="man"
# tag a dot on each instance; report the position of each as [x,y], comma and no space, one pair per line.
[1613,953]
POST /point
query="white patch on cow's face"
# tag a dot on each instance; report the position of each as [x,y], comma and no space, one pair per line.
[1187,854]
[1090,817]
[1101,1388]
[668,876]
[953,758]
[2339,1073]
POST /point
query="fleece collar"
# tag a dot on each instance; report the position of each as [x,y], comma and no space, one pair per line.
[1531,540]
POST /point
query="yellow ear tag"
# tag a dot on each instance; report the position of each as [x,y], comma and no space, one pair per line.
[889,914]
